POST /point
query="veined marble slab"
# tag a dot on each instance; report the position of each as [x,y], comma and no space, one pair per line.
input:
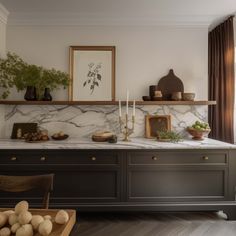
[82,121]
[136,143]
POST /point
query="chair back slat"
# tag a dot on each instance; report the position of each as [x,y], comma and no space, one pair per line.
[26,183]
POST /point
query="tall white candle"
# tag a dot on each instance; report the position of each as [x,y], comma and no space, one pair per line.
[127,102]
[134,108]
[119,108]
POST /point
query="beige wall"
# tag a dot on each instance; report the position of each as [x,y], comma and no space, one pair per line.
[144,53]
[2,38]
[2,53]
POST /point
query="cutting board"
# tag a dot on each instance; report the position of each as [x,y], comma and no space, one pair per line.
[169,84]
[57,230]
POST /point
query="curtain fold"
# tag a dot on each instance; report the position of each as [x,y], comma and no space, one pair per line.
[221,81]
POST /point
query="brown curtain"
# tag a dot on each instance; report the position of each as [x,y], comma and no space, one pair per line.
[221,81]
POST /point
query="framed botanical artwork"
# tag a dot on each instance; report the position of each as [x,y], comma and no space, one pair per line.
[92,72]
[155,123]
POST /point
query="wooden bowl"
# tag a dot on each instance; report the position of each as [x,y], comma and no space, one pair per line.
[65,136]
[103,136]
[188,96]
[198,134]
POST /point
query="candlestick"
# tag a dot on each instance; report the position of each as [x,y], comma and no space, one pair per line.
[134,108]
[124,127]
[127,102]
[120,108]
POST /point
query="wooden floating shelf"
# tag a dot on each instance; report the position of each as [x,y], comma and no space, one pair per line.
[107,102]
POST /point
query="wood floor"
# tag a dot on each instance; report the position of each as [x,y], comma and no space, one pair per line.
[153,224]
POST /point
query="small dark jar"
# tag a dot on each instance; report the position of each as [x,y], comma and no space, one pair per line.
[47,96]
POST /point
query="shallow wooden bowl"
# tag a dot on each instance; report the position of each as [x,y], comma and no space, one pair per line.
[65,136]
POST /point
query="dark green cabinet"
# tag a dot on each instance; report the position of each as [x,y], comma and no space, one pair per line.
[129,180]
[177,176]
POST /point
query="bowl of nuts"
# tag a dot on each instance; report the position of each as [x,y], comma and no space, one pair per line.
[39,136]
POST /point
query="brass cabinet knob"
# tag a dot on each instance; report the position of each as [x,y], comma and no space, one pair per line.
[154,158]
[43,159]
[13,158]
[93,158]
[205,158]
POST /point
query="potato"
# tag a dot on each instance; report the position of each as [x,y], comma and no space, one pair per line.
[36,220]
[45,228]
[24,217]
[47,217]
[15,227]
[3,219]
[25,230]
[13,218]
[21,206]
[5,232]
[8,213]
[61,217]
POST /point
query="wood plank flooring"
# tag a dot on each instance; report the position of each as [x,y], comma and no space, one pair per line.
[153,224]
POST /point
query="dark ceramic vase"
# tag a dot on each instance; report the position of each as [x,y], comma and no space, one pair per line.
[30,94]
[47,96]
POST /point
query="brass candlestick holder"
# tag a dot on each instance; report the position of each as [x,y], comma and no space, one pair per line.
[124,129]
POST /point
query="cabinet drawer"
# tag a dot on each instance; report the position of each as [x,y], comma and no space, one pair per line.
[175,158]
[188,184]
[21,157]
[82,157]
[56,157]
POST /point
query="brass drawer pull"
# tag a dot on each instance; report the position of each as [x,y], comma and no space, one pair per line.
[93,158]
[43,159]
[205,158]
[154,158]
[13,158]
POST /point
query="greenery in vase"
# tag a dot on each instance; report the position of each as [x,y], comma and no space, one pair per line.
[169,135]
[10,66]
[21,75]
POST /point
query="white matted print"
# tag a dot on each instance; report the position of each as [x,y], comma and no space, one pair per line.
[93,73]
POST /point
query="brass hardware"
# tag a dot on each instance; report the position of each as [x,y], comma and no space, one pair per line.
[43,159]
[154,158]
[13,158]
[93,158]
[205,158]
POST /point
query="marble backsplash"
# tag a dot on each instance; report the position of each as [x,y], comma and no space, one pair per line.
[82,121]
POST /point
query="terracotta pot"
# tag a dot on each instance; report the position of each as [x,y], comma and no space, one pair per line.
[198,134]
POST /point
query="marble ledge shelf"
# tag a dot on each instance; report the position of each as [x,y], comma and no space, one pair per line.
[199,102]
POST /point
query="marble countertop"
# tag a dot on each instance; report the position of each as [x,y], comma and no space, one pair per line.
[136,143]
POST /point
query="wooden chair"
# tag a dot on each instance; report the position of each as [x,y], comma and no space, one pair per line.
[25,183]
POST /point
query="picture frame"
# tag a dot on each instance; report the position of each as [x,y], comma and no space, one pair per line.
[155,123]
[92,73]
[24,128]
